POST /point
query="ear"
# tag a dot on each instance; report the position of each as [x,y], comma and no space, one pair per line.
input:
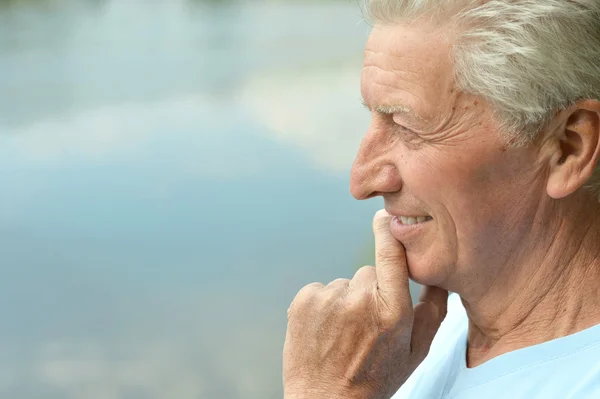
[577,149]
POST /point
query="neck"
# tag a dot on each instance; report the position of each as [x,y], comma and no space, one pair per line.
[548,290]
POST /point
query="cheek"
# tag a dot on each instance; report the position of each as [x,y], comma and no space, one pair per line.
[467,196]
[461,175]
[480,202]
[438,178]
[488,204]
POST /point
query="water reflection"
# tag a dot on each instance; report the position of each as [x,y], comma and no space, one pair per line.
[171,175]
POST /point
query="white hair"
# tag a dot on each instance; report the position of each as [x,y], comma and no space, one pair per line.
[528,58]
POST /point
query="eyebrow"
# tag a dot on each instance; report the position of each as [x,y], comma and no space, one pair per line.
[394,109]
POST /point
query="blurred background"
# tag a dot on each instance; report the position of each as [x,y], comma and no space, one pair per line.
[172,173]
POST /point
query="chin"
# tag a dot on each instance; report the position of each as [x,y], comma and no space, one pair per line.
[426,270]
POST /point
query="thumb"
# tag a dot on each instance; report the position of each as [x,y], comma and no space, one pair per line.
[428,316]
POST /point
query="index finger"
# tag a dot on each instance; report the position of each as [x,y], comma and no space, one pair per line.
[390,264]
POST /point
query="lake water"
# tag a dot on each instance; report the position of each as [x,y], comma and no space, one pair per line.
[172,172]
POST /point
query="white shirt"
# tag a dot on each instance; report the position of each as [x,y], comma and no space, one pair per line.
[567,367]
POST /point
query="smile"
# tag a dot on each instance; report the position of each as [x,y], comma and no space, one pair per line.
[408,220]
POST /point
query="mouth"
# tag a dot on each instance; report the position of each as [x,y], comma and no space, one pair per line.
[406,228]
[410,220]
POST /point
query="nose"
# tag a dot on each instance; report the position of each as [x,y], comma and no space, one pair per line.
[374,171]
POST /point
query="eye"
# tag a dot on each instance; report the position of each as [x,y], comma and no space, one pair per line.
[407,135]
[401,128]
[398,123]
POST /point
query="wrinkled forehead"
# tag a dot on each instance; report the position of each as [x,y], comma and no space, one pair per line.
[408,66]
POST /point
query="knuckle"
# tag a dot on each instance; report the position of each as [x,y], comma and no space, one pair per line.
[393,317]
[330,296]
[307,293]
[338,283]
[312,287]
[366,271]
[360,300]
[388,321]
[365,276]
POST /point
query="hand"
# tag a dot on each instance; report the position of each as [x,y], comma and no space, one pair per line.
[360,338]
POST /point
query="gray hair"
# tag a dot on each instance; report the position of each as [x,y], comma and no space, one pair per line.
[528,58]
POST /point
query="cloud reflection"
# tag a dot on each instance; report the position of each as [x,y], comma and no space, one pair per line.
[317,110]
[185,131]
[183,349]
[133,320]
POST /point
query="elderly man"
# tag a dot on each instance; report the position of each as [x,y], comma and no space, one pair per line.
[484,144]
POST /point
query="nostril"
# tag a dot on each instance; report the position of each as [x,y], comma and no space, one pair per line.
[363,190]
[374,179]
[374,194]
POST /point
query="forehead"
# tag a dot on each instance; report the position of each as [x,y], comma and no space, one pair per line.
[408,66]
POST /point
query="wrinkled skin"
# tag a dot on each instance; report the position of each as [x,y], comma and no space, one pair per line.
[508,228]
[360,338]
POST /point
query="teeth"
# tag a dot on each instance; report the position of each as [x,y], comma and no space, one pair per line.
[410,220]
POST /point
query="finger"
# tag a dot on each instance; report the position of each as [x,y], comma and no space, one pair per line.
[435,295]
[303,296]
[428,316]
[309,290]
[390,263]
[340,283]
[364,278]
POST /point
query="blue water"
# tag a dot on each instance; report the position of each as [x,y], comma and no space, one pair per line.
[171,173]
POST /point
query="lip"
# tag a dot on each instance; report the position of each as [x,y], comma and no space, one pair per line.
[403,232]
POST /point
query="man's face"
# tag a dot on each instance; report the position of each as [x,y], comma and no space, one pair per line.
[437,157]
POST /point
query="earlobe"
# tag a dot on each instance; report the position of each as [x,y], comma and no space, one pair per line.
[576,150]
